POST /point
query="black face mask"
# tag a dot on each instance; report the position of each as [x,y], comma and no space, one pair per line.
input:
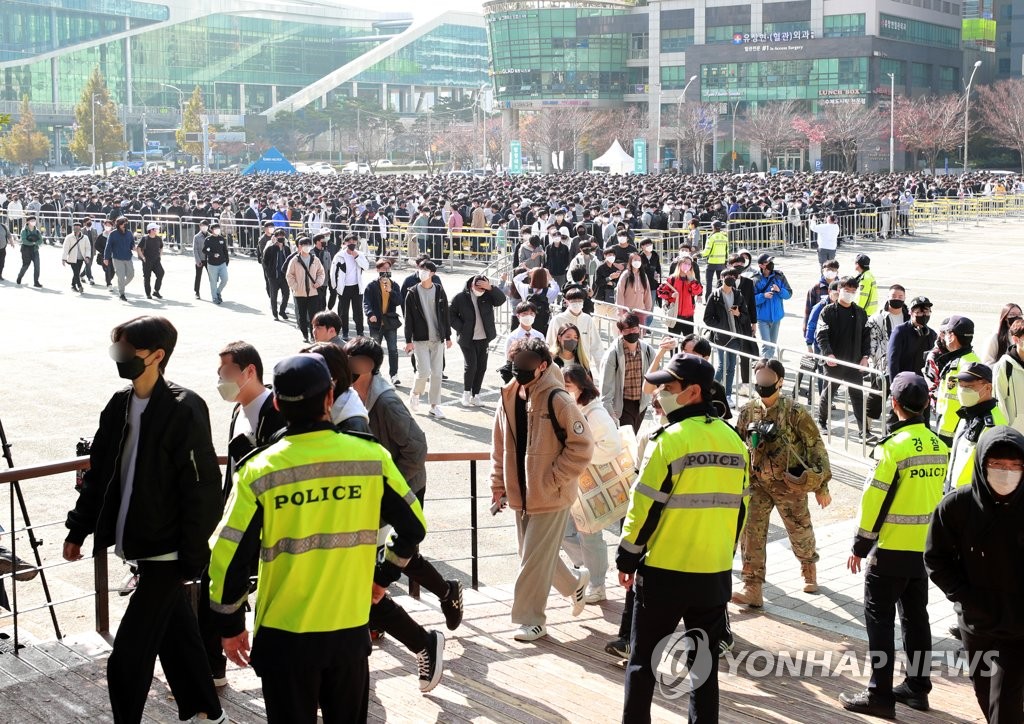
[729,282]
[895,304]
[351,247]
[384,275]
[524,377]
[921,320]
[569,345]
[131,369]
[632,337]
[765,391]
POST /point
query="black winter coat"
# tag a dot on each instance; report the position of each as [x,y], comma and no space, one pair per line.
[463,313]
[416,329]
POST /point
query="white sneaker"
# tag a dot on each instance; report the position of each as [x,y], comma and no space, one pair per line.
[414,402]
[475,401]
[222,719]
[466,402]
[530,633]
[595,594]
[437,412]
[579,597]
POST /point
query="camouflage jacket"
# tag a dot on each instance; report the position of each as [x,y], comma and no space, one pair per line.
[797,432]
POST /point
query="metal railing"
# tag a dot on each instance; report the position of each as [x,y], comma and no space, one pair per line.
[100,563]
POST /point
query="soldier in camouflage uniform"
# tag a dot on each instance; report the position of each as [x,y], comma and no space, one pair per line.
[788,460]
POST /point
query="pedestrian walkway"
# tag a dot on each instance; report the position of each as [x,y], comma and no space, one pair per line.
[489,677]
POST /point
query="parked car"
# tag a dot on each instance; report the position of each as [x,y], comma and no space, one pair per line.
[353,167]
[323,168]
[384,163]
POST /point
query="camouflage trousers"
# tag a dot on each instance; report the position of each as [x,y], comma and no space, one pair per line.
[795,516]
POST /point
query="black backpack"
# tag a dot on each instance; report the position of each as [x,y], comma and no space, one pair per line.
[539,299]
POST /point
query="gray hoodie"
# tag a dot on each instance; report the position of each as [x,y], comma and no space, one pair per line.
[396,429]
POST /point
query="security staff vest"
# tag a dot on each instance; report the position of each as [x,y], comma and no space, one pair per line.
[717,249]
[947,403]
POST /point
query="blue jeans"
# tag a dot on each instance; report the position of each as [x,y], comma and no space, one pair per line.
[218,274]
[389,337]
[727,369]
[586,549]
[769,333]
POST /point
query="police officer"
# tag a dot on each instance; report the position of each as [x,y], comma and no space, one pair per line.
[959,337]
[309,506]
[896,506]
[788,460]
[716,252]
[685,513]
[979,410]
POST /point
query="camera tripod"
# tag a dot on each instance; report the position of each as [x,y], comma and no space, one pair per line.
[34,542]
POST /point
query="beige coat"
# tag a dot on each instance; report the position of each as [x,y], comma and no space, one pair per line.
[551,470]
[298,282]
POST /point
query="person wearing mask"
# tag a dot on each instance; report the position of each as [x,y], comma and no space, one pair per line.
[842,337]
[970,555]
[472,318]
[679,293]
[305,275]
[725,313]
[771,289]
[538,288]
[606,278]
[979,411]
[153,492]
[959,336]
[716,252]
[557,255]
[567,350]
[999,343]
[541,443]
[117,253]
[651,262]
[585,260]
[622,247]
[427,335]
[899,497]
[531,252]
[867,287]
[198,244]
[215,256]
[585,324]
[321,252]
[828,237]
[31,240]
[819,292]
[274,259]
[911,341]
[622,374]
[679,536]
[1009,378]
[381,302]
[788,460]
[812,323]
[99,247]
[347,274]
[633,290]
[328,642]
[882,323]
[150,250]
[588,550]
[741,262]
[77,250]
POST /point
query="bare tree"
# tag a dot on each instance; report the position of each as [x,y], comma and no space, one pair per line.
[1001,110]
[771,125]
[847,127]
[561,132]
[620,124]
[694,130]
[930,125]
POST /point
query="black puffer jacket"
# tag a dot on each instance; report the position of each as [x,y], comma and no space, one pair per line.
[176,498]
[463,311]
[975,549]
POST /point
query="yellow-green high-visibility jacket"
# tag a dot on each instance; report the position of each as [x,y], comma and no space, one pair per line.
[310,506]
[689,502]
[716,248]
[946,401]
[899,498]
[867,292]
[968,430]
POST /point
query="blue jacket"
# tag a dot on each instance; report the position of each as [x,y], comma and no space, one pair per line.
[812,325]
[119,245]
[770,309]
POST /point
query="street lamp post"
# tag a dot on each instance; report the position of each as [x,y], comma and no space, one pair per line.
[679,113]
[93,115]
[892,122]
[657,153]
[967,109]
[735,106]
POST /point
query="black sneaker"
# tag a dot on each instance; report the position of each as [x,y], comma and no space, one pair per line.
[862,703]
[124,298]
[618,648]
[22,570]
[157,295]
[451,607]
[905,696]
[431,661]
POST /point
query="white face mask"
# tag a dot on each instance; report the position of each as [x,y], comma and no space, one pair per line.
[527,320]
[556,240]
[636,264]
[228,391]
[967,396]
[830,275]
[576,307]
[478,292]
[1003,482]
[847,296]
[668,402]
[424,275]
[623,239]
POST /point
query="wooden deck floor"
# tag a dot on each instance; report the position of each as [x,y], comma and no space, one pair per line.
[488,677]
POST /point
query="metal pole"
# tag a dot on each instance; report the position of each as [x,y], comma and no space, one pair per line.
[474,550]
[657,150]
[733,154]
[967,109]
[92,113]
[892,122]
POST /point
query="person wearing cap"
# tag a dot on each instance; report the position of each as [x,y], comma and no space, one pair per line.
[117,253]
[959,337]
[686,511]
[842,336]
[899,497]
[274,259]
[788,461]
[972,555]
[867,287]
[347,275]
[309,507]
[911,341]
[305,275]
[198,244]
[149,250]
[541,443]
[153,493]
[77,250]
[979,411]
[31,240]
[771,289]
[215,255]
[716,251]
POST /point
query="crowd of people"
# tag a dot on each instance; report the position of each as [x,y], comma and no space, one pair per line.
[326,453]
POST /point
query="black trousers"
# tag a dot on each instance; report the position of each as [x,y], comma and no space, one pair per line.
[3,258]
[999,688]
[474,353]
[29,255]
[159,622]
[76,274]
[850,376]
[276,288]
[305,309]
[199,278]
[392,619]
[150,269]
[632,415]
[661,602]
[350,296]
[883,595]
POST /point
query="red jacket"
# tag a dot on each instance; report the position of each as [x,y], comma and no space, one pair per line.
[686,291]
